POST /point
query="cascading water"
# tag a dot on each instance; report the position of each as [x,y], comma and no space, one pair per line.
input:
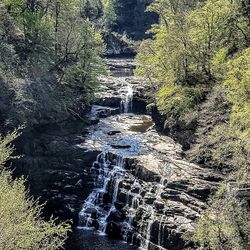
[95,212]
[131,199]
[126,93]
[98,206]
[150,218]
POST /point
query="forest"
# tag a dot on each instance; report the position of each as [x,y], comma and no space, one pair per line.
[129,118]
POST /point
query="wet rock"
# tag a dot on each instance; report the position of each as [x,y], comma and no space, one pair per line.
[95,224]
[171,191]
[79,184]
[114,132]
[118,45]
[159,204]
[135,190]
[91,211]
[125,185]
[160,193]
[122,197]
[106,198]
[109,100]
[116,216]
[149,198]
[117,146]
[200,192]
[119,205]
[178,185]
[103,112]
[113,230]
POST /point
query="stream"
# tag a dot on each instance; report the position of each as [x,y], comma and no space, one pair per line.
[145,195]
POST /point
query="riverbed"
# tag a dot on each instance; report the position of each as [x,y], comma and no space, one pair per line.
[145,193]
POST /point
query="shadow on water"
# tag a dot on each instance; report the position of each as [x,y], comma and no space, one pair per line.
[91,240]
[143,127]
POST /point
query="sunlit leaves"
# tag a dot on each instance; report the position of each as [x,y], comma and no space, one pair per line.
[21,226]
[237,81]
[224,225]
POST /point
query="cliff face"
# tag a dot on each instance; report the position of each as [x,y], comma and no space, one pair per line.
[51,160]
[132,19]
[145,192]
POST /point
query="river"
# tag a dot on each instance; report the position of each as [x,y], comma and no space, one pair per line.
[145,193]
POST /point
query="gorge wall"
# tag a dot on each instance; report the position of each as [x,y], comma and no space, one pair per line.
[145,192]
[132,19]
[110,170]
[149,195]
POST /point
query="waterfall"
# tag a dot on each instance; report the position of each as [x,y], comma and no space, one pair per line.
[97,207]
[122,204]
[149,218]
[128,100]
[126,93]
[161,230]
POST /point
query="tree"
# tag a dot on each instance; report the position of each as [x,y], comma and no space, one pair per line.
[109,15]
[92,9]
[43,38]
[224,225]
[21,226]
[236,81]
[84,73]
[169,48]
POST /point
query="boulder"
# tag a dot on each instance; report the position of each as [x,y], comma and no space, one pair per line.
[113,230]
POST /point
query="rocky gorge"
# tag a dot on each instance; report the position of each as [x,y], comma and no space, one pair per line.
[117,131]
[144,191]
[114,173]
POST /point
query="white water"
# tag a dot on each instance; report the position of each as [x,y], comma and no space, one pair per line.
[150,221]
[126,93]
[94,213]
[97,207]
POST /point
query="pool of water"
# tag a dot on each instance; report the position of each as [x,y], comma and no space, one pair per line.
[92,240]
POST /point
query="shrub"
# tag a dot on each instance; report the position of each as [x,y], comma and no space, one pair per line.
[21,225]
[224,225]
[178,101]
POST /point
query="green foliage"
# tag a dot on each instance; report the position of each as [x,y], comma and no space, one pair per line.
[92,9]
[237,84]
[49,37]
[85,72]
[194,47]
[178,101]
[225,147]
[235,76]
[190,34]
[109,15]
[21,225]
[224,225]
[101,12]
[6,149]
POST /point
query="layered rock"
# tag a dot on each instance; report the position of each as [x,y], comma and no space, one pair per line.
[161,194]
[118,45]
[115,87]
[147,193]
